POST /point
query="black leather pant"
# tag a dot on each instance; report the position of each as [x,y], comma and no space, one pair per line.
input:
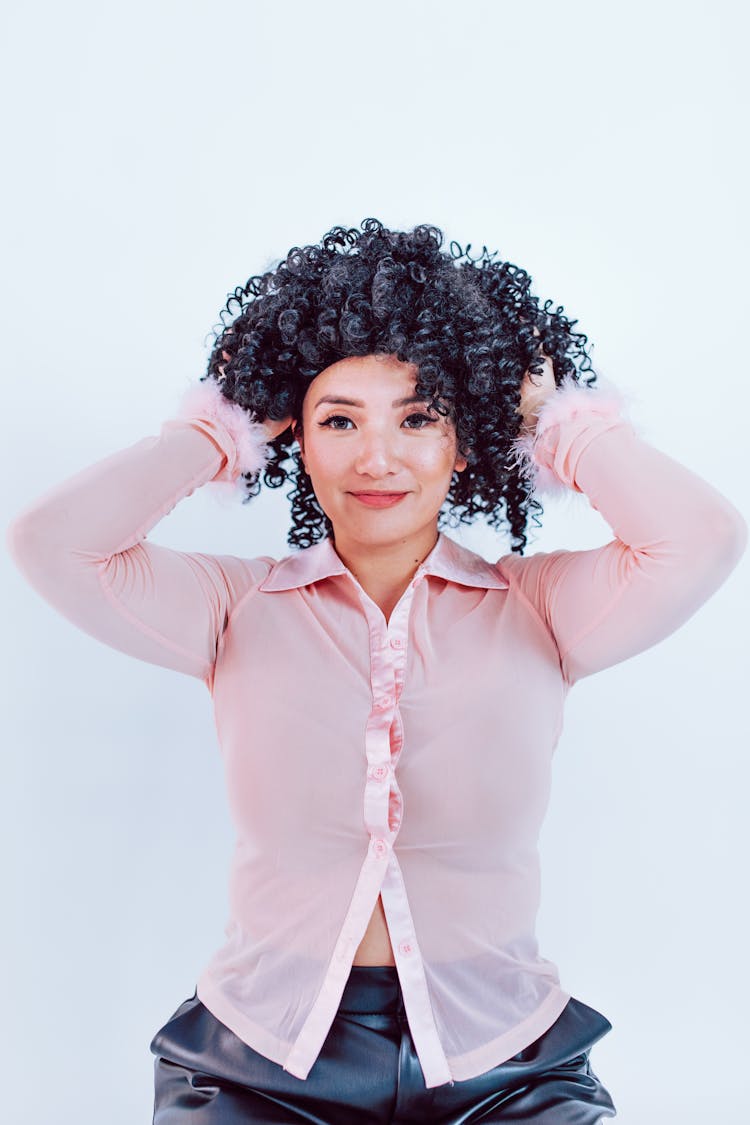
[368,1072]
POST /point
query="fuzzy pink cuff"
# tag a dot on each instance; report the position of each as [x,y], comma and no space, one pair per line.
[237,433]
[568,420]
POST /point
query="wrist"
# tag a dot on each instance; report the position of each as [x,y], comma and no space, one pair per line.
[235,430]
[542,452]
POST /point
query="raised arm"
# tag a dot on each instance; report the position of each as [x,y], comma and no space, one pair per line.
[676,541]
[82,545]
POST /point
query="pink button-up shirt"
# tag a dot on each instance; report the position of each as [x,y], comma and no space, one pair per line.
[408,758]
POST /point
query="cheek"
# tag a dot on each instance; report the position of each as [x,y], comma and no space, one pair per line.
[326,463]
[437,465]
[439,458]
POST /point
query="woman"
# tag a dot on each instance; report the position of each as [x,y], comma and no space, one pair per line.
[387,701]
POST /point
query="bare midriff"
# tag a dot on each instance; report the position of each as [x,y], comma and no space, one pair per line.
[375,947]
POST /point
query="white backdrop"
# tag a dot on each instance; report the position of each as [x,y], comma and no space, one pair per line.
[158,155]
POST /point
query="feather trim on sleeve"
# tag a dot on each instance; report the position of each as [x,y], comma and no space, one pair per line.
[547,456]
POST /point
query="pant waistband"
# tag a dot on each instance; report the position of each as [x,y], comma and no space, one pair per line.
[372,988]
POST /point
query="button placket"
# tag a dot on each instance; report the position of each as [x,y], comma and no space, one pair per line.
[379,846]
[344,949]
[387,656]
[379,773]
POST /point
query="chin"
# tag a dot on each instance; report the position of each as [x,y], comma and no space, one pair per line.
[384,524]
[366,531]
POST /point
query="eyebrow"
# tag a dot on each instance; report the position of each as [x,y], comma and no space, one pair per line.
[355,401]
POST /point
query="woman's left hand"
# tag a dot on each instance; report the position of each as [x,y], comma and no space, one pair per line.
[535,390]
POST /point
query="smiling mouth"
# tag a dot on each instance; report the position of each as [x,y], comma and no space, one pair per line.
[379,499]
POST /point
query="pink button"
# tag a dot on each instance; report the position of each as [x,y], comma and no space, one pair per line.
[405,947]
[379,847]
[383,702]
[396,642]
[378,772]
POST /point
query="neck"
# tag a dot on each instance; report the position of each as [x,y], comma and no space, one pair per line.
[384,570]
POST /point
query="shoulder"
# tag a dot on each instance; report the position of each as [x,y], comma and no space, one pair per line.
[239,572]
[519,567]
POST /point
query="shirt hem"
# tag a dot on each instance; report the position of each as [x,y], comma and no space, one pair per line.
[497,1051]
[251,1034]
[461,1067]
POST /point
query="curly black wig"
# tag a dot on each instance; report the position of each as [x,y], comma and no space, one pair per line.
[471,327]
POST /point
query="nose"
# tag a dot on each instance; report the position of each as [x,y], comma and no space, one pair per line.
[376,454]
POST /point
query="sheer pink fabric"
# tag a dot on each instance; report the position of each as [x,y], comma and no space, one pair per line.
[408,758]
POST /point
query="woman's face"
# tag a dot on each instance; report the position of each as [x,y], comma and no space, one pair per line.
[375,442]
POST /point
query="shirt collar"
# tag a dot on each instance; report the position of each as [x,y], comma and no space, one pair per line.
[447,559]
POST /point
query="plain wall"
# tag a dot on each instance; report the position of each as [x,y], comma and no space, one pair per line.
[158,155]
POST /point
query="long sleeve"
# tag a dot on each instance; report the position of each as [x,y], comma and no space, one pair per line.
[676,541]
[82,545]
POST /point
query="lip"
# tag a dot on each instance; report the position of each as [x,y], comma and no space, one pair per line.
[379,499]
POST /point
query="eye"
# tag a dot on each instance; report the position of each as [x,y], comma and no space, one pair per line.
[425,418]
[341,417]
[333,418]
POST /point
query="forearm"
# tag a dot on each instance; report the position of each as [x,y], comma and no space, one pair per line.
[677,538]
[82,545]
[645,496]
[110,505]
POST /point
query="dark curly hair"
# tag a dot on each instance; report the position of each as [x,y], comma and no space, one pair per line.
[471,327]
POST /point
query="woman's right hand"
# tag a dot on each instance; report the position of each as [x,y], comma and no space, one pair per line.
[274,428]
